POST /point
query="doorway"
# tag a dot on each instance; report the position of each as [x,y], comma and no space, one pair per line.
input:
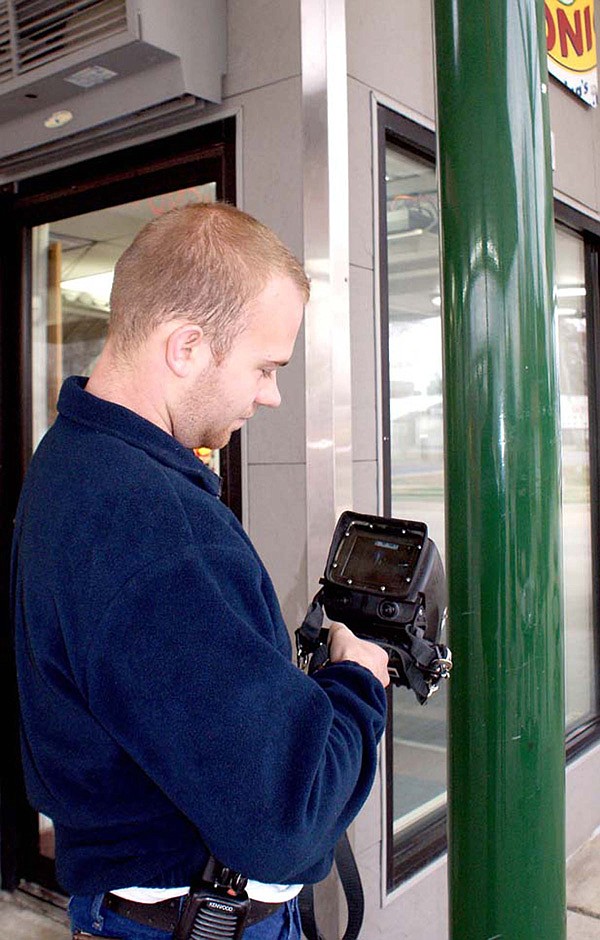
[61,236]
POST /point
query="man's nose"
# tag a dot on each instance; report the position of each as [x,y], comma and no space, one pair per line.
[269,395]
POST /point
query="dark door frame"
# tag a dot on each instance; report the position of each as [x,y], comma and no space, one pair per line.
[191,157]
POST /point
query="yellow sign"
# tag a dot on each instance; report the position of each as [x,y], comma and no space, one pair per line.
[571,41]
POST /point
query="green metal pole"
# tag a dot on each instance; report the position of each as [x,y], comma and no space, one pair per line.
[506,764]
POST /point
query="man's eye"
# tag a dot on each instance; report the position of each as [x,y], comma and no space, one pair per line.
[267,373]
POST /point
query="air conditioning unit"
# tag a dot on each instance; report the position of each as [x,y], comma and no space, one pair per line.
[73,71]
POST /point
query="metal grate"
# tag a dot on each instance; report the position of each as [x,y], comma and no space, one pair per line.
[6,52]
[36,32]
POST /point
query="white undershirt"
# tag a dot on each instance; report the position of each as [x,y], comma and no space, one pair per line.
[256,890]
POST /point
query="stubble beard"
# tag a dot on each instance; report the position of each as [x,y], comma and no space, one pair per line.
[196,424]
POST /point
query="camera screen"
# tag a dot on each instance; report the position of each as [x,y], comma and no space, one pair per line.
[374,561]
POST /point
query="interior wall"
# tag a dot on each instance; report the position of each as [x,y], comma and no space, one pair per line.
[389,49]
[363,315]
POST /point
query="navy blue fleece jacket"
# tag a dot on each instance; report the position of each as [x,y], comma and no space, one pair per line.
[161,713]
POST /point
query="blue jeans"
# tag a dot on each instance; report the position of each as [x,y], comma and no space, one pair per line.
[88,913]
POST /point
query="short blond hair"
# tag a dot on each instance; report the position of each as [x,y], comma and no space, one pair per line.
[202,262]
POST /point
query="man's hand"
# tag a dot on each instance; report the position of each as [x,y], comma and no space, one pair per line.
[344,646]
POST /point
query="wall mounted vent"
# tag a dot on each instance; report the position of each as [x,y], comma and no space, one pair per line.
[6,54]
[45,30]
[68,67]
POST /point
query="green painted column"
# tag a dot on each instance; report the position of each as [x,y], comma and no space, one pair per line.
[506,764]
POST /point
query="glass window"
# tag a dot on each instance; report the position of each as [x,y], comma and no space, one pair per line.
[415,481]
[576,496]
[72,271]
[416,449]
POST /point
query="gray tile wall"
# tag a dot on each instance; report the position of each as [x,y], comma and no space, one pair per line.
[263,86]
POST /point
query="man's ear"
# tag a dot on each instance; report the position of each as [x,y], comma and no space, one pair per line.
[187,349]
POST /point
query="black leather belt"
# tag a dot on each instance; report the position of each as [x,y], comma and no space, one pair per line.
[164,914]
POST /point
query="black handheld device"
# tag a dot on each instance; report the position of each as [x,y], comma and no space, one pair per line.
[385,580]
[216,906]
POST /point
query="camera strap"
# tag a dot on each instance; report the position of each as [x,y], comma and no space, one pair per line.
[353,892]
[424,663]
[312,654]
[308,633]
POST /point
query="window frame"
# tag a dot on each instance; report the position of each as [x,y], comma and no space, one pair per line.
[584,735]
[427,840]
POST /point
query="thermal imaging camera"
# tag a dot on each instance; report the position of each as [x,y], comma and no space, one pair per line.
[385,580]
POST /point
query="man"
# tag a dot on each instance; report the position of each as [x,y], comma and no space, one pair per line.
[163,721]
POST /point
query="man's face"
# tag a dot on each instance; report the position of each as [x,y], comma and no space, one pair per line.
[229,391]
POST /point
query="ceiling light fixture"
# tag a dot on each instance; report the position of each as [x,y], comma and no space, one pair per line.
[58,119]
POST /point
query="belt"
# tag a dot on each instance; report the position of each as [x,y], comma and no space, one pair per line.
[164,914]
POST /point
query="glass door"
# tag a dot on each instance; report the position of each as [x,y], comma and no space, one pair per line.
[61,239]
[72,267]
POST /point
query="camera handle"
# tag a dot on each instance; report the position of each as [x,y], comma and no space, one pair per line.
[424,663]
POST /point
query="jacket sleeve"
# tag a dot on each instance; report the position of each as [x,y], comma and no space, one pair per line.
[184,673]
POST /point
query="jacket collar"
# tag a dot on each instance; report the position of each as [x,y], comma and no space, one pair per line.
[107,417]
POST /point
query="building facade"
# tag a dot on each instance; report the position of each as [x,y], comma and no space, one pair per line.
[325,131]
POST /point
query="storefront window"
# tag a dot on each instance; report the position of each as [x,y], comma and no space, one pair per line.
[576,497]
[415,480]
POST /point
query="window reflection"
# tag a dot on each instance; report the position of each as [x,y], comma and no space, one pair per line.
[73,263]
